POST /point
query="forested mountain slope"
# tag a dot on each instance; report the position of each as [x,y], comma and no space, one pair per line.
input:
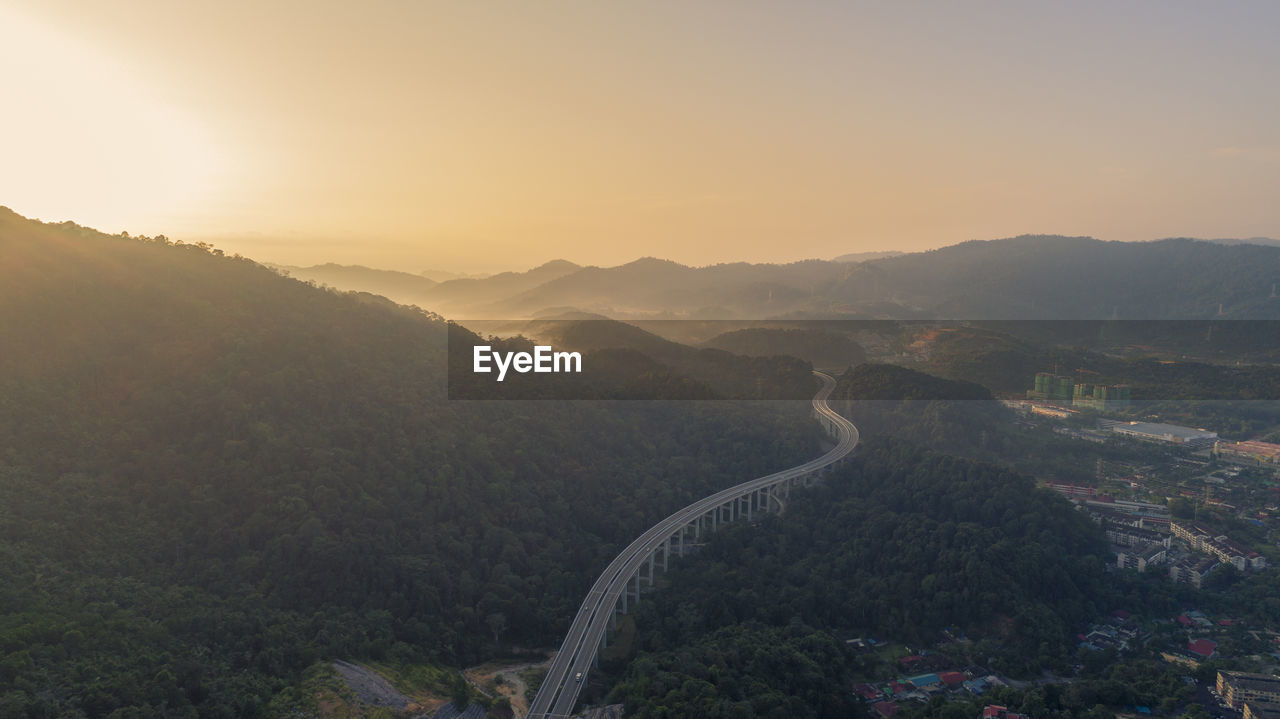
[212,476]
[1053,277]
[401,287]
[900,545]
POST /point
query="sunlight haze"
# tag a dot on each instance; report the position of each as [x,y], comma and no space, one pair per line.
[486,136]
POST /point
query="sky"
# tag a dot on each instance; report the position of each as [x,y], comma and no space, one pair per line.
[481,135]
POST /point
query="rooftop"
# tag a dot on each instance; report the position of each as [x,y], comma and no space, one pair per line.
[1159,429]
[925,680]
[1256,682]
[1203,647]
[1263,710]
[1256,447]
[885,709]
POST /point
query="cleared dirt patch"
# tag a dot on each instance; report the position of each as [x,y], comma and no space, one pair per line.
[510,685]
[370,687]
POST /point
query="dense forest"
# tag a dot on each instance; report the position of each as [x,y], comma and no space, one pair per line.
[952,416]
[212,476]
[901,544]
[742,671]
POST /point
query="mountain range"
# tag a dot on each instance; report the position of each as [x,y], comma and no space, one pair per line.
[1025,277]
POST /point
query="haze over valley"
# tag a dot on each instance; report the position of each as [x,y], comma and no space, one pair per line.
[662,360]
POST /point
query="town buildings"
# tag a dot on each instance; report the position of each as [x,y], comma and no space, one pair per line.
[1202,539]
[1261,710]
[1140,558]
[1192,570]
[1237,688]
[1256,452]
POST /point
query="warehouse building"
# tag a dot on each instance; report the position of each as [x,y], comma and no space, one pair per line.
[1170,433]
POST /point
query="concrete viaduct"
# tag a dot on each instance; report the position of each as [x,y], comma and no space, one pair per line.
[619,586]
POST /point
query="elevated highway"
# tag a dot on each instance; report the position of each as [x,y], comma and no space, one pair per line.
[619,586]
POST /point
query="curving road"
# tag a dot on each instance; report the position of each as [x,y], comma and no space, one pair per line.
[559,692]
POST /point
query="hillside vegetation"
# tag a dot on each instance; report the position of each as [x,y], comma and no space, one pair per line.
[213,476]
[902,544]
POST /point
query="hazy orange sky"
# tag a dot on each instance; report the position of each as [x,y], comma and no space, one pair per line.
[479,136]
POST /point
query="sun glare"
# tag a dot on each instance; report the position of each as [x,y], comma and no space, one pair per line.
[83,137]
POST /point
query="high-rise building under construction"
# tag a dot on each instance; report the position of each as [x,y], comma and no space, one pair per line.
[1054,387]
[1064,388]
[1100,396]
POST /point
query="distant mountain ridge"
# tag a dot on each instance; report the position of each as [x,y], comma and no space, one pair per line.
[403,287]
[454,295]
[866,256]
[446,275]
[1264,241]
[1055,277]
[649,286]
[1024,277]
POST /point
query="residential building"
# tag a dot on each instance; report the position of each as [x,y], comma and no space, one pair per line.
[1100,397]
[885,709]
[1191,570]
[1125,506]
[1203,648]
[1261,710]
[1052,387]
[1073,491]
[1201,538]
[1129,536]
[1140,558]
[1259,452]
[1237,688]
